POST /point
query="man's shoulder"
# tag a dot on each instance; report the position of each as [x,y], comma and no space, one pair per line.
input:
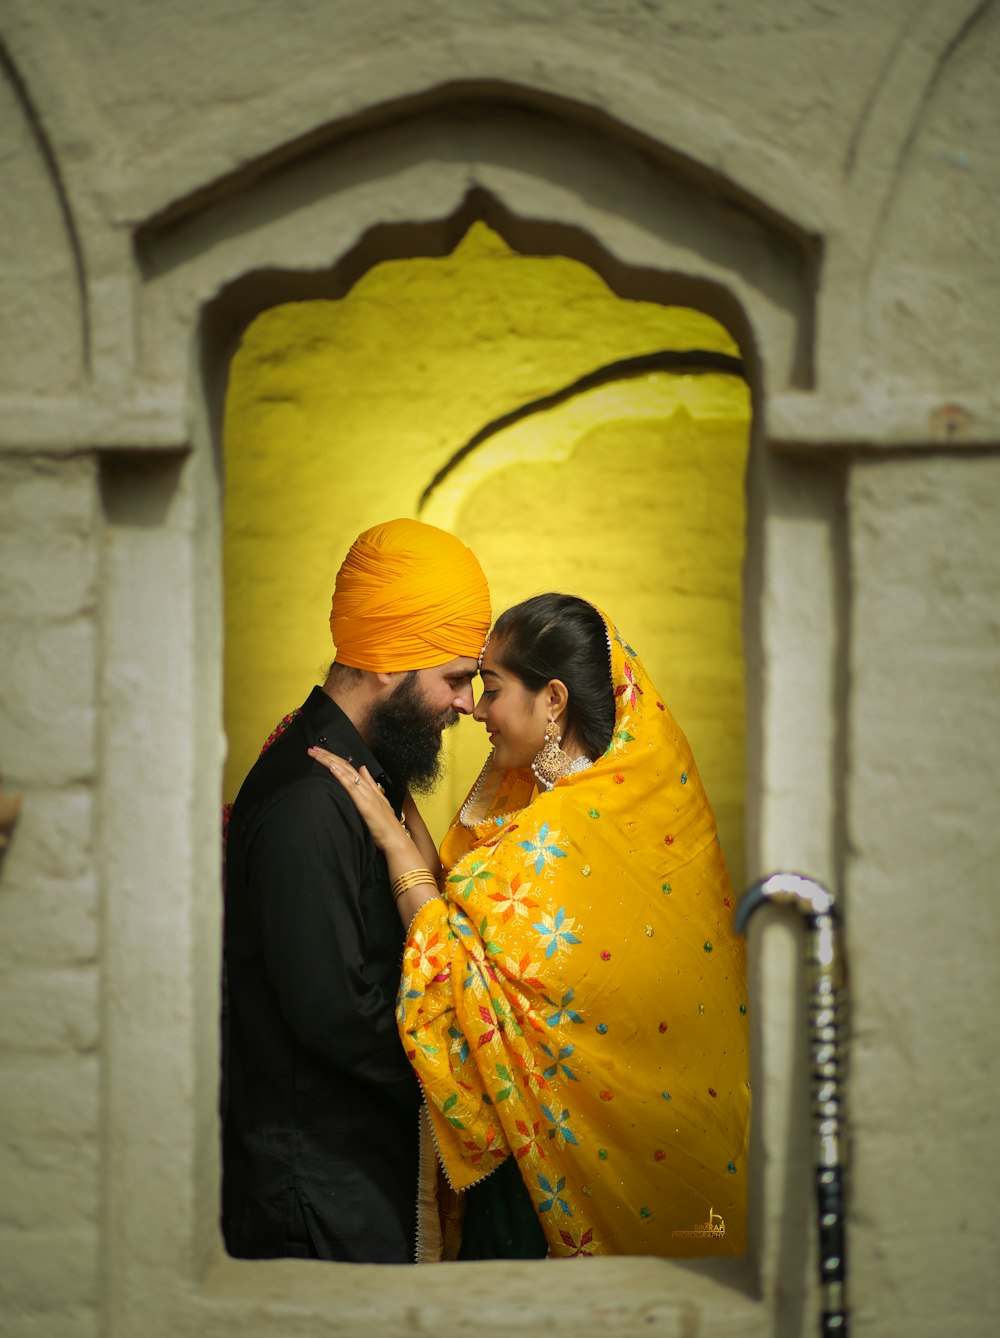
[291,780]
[286,779]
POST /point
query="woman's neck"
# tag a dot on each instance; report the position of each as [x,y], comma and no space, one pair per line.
[575,747]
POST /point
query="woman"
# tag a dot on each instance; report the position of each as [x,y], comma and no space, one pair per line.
[573,999]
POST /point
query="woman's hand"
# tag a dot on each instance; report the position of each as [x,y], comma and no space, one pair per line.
[402,856]
[387,831]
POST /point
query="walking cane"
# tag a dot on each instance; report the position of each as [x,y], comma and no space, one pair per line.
[824,967]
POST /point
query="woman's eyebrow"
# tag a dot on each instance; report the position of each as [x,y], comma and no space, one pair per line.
[491,672]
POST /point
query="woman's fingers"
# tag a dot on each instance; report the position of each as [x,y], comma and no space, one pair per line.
[360,782]
[327,759]
[338,767]
[368,797]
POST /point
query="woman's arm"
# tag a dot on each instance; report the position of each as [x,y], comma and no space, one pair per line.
[420,836]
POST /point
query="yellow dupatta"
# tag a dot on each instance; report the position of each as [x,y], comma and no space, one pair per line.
[577,997]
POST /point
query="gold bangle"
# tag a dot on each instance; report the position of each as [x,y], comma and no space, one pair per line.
[412,878]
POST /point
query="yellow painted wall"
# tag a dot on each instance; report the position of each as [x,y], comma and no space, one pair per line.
[339,414]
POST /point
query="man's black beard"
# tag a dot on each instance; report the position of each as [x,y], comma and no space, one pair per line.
[405,736]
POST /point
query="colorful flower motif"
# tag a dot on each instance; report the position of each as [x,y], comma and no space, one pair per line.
[531,1073]
[618,778]
[560,1130]
[449,1105]
[601,1029]
[563,1010]
[465,882]
[553,1192]
[607,1096]
[659,1155]
[666,1096]
[663,1027]
[645,1212]
[477,1151]
[684,778]
[595,813]
[666,889]
[558,1064]
[489,1020]
[630,689]
[527,971]
[668,840]
[578,1248]
[507,1018]
[507,1086]
[605,955]
[706,946]
[459,1045]
[731,1168]
[544,848]
[743,1010]
[586,871]
[530,1145]
[712,1092]
[602,1153]
[484,936]
[513,900]
[558,930]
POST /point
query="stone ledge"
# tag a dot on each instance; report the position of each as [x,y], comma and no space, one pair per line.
[670,1298]
[879,421]
[73,424]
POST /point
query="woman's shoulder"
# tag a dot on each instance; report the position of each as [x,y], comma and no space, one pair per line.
[560,816]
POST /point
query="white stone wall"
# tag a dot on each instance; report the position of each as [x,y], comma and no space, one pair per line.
[824,177]
[49,930]
[924,928]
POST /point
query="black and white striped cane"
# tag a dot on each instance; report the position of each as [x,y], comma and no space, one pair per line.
[825,979]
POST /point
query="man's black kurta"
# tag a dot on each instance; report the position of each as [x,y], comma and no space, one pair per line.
[320,1119]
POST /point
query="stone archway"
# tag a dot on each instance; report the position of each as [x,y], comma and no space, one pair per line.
[307,226]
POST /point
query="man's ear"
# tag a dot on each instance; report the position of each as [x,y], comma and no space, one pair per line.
[385,684]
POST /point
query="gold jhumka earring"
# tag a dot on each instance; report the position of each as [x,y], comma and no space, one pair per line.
[550,761]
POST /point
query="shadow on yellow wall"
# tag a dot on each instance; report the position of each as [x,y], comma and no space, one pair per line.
[339,414]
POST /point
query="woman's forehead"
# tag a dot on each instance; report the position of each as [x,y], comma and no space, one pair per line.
[489,662]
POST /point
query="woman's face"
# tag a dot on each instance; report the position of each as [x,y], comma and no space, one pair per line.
[514,717]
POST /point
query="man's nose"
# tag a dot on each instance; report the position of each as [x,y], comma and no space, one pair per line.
[464,700]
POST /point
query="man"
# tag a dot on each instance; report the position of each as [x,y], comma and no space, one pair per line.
[321,1117]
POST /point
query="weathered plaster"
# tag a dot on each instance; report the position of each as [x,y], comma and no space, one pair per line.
[818,172]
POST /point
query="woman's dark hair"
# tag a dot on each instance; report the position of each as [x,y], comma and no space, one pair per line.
[561,636]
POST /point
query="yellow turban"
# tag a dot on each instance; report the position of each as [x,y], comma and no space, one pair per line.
[408,596]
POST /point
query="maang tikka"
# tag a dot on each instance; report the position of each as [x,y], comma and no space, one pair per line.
[550,761]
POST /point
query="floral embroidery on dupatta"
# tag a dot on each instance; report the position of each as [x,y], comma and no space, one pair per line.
[533,992]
